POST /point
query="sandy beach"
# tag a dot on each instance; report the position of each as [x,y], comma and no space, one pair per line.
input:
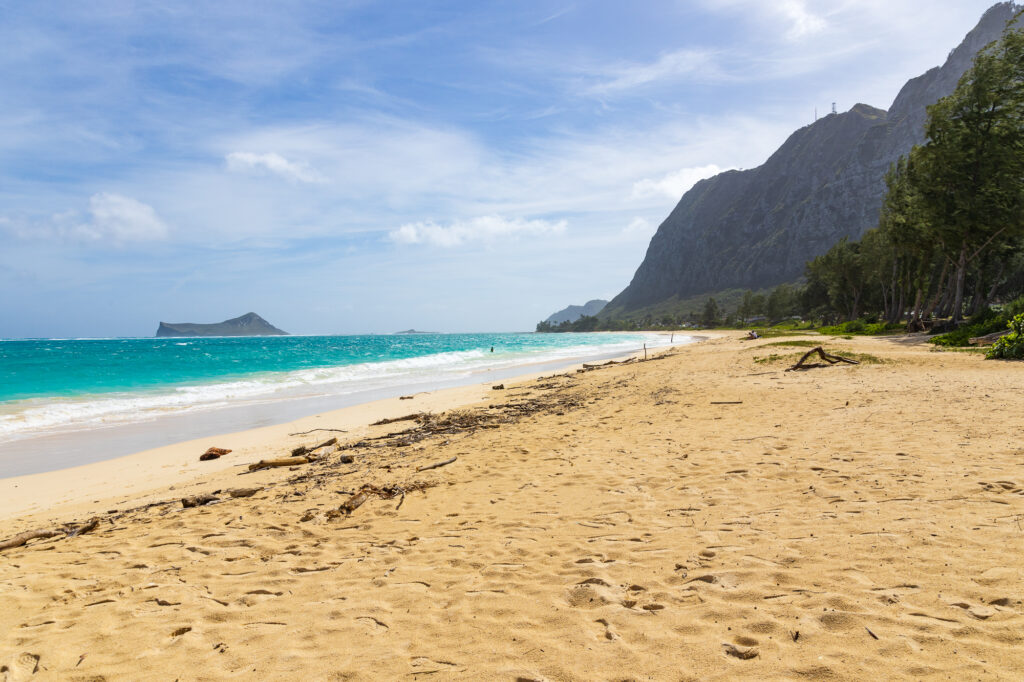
[702,515]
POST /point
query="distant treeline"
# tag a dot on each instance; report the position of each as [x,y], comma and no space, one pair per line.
[950,237]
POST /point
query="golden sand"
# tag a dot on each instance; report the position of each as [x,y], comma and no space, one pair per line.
[701,516]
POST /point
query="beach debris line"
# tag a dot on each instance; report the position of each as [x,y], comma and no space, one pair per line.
[69,530]
[827,357]
[213,453]
[436,465]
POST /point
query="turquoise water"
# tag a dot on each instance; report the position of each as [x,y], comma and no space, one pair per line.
[50,385]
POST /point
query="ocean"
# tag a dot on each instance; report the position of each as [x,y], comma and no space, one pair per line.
[57,387]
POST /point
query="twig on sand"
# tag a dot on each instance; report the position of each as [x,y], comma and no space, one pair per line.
[436,465]
[304,433]
[726,402]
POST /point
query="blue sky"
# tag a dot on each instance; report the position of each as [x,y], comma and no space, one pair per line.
[352,167]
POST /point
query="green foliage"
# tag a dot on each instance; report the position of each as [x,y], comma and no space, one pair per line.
[1011,346]
[985,322]
[711,314]
[862,328]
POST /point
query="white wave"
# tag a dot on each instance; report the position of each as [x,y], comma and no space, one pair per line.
[19,419]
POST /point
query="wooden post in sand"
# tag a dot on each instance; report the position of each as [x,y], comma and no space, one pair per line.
[645,351]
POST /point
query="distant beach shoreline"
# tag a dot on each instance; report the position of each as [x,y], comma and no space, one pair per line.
[72,468]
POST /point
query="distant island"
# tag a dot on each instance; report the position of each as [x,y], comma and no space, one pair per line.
[249,324]
[415,331]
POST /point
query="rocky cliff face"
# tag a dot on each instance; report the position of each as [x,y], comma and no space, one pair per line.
[757,228]
[249,324]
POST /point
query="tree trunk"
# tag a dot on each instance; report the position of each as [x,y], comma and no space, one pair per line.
[961,278]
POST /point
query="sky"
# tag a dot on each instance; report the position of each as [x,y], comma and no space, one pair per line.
[345,167]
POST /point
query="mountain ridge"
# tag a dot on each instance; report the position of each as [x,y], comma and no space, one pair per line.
[757,228]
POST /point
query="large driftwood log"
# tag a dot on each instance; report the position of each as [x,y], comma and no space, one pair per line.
[830,359]
[282,462]
[21,538]
[988,339]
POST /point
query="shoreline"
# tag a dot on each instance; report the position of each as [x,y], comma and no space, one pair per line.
[144,474]
[61,448]
[705,513]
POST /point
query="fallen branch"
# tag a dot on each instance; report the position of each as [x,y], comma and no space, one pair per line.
[827,357]
[436,465]
[282,462]
[726,402]
[302,449]
[305,433]
[69,530]
[21,538]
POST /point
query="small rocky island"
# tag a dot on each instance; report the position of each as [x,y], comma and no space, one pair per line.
[249,324]
[415,331]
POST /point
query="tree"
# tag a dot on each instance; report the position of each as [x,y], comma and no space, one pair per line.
[969,174]
[711,314]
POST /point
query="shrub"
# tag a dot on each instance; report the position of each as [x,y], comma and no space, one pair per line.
[1011,346]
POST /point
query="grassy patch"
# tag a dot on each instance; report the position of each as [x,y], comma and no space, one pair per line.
[791,358]
[803,343]
[961,349]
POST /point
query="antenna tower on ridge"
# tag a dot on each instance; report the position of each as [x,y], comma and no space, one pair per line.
[833,107]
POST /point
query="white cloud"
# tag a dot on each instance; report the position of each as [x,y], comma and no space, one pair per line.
[675,184]
[671,65]
[274,163]
[111,218]
[638,228]
[483,228]
[803,21]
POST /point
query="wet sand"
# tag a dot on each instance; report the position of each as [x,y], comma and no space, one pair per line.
[705,515]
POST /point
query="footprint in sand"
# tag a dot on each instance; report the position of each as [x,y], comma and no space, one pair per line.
[609,634]
[23,667]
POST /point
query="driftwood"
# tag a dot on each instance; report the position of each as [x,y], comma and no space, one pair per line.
[243,492]
[988,339]
[498,387]
[436,465]
[387,492]
[302,449]
[69,530]
[830,359]
[355,502]
[21,538]
[282,462]
[198,500]
[304,433]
